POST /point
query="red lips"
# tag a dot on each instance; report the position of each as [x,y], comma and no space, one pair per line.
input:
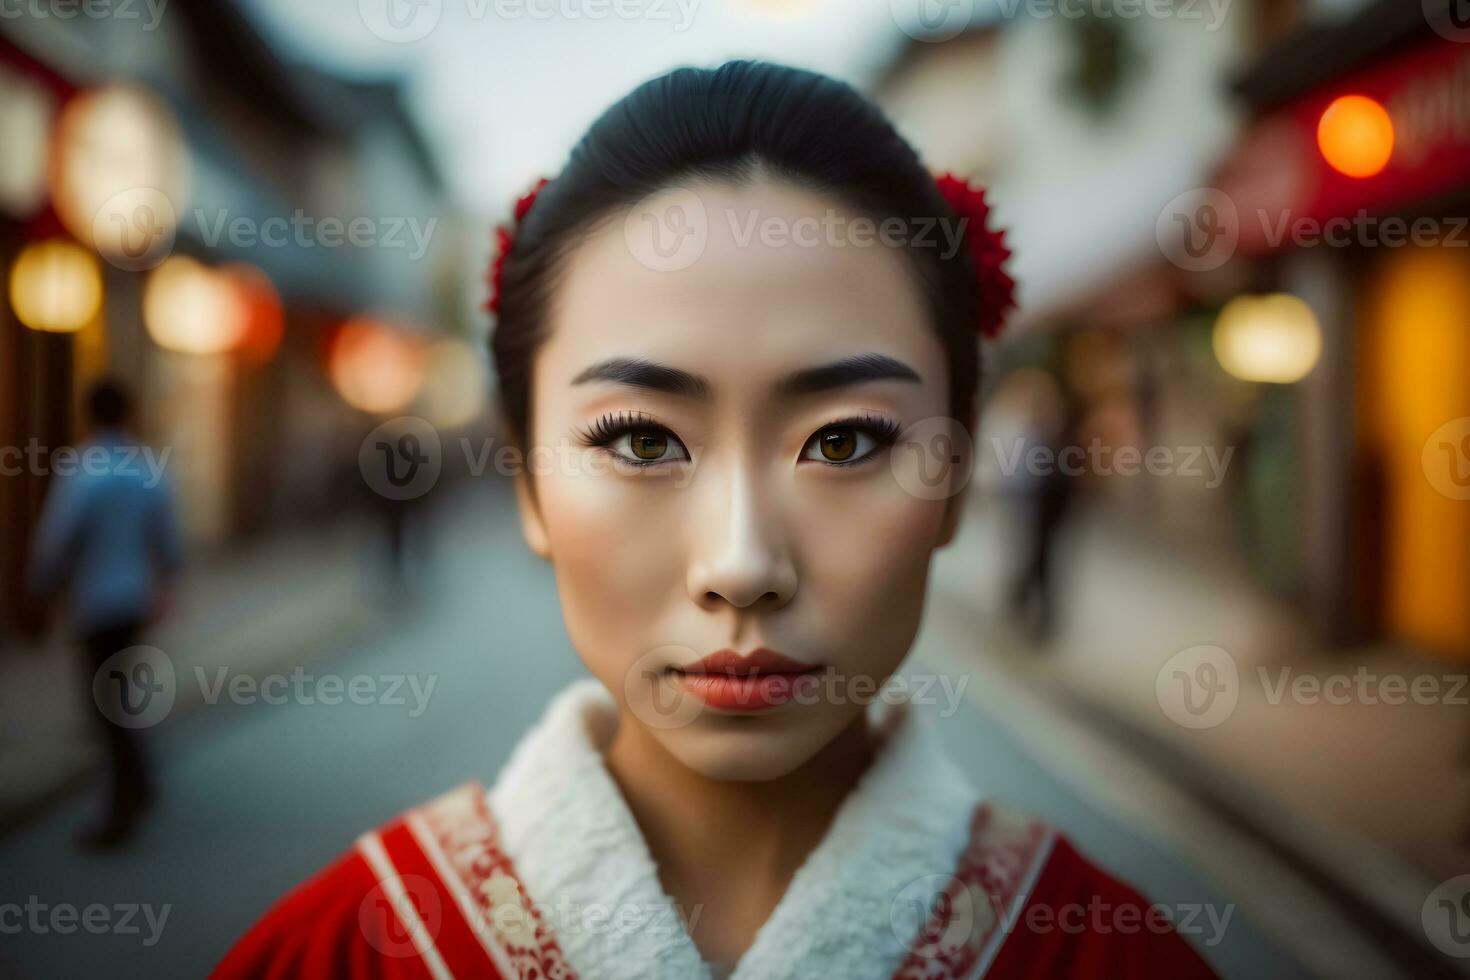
[760,660]
[729,681]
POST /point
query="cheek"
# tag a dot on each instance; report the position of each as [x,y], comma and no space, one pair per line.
[617,566]
[865,555]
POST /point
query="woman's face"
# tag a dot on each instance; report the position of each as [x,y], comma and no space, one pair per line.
[713,468]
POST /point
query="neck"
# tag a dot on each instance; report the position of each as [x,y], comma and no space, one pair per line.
[726,850]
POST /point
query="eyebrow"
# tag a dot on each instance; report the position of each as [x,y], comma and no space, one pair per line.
[641,373]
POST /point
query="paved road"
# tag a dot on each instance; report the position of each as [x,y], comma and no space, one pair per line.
[257,795]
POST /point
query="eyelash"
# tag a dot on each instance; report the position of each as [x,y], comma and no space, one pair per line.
[607,428]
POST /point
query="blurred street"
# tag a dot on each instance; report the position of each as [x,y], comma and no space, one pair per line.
[278,604]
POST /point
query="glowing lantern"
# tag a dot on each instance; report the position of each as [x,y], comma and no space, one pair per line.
[120,174]
[193,309]
[1274,338]
[55,286]
[1355,135]
[25,132]
[374,367]
[265,322]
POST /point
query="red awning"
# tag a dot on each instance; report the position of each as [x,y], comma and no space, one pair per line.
[1277,177]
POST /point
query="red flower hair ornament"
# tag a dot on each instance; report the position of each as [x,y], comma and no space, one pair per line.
[995,290]
[504,238]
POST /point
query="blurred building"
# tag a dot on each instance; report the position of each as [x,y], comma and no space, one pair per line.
[182,208]
[1334,370]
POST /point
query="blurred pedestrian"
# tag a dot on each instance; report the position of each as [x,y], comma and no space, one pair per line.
[109,538]
[1046,500]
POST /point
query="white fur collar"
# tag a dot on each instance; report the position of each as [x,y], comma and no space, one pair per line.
[581,856]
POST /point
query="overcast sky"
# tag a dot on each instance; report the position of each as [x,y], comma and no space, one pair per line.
[504,87]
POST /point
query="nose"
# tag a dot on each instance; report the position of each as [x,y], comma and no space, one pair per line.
[740,555]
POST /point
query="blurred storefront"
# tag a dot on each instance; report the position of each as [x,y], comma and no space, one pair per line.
[183,209]
[1351,190]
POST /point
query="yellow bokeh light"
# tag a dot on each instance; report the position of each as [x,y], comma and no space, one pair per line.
[120,173]
[191,308]
[456,382]
[55,286]
[1273,338]
[1355,135]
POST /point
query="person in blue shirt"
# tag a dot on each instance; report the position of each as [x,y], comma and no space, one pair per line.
[109,539]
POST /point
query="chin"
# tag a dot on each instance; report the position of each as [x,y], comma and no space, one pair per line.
[756,748]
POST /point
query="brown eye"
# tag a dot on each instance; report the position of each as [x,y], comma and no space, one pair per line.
[842,443]
[648,444]
[838,445]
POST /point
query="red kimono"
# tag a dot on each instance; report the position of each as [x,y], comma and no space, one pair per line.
[436,893]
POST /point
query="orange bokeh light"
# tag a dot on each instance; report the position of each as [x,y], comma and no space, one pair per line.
[374,366]
[265,319]
[1355,136]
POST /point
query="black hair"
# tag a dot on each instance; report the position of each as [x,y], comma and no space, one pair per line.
[731,124]
[108,403]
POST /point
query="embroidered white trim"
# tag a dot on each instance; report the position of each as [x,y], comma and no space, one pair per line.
[577,847]
[1022,895]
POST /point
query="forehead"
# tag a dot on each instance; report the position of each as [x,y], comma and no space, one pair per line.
[738,283]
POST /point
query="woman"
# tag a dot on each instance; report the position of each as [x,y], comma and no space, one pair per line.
[724,332]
